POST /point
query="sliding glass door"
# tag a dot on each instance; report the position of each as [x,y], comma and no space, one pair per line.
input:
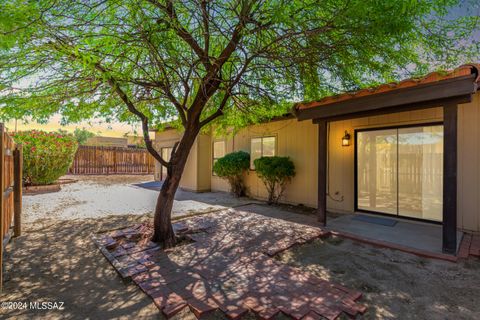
[400,171]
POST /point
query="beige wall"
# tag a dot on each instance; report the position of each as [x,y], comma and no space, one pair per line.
[193,178]
[299,141]
[341,179]
[469,165]
[204,162]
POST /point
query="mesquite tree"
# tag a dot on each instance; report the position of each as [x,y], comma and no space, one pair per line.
[196,62]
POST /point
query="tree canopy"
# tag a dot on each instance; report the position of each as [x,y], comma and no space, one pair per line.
[194,63]
[245,60]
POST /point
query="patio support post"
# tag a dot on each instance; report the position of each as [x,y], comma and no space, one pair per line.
[450,178]
[322,171]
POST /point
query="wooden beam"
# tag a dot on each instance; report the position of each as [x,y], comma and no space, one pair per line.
[450,88]
[403,108]
[17,190]
[322,172]
[450,115]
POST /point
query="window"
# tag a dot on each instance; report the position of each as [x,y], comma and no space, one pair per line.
[166,154]
[218,152]
[261,147]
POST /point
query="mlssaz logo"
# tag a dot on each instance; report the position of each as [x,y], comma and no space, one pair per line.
[47,305]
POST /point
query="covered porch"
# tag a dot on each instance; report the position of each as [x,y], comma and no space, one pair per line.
[416,237]
[440,92]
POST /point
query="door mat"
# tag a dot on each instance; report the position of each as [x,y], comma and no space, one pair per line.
[375,220]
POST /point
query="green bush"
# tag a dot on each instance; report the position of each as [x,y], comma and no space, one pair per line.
[275,172]
[231,168]
[46,155]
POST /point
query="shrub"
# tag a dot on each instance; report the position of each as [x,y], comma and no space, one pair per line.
[46,155]
[231,168]
[275,172]
[82,135]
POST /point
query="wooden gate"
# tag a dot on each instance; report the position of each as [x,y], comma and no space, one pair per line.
[11,191]
[112,160]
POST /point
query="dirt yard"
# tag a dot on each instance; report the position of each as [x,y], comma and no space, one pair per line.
[56,260]
[396,285]
[100,196]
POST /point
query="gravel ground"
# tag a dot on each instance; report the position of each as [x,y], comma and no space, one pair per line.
[100,196]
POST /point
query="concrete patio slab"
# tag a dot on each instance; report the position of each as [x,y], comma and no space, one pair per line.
[412,234]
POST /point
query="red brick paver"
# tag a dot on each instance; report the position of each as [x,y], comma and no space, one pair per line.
[228,266]
[470,246]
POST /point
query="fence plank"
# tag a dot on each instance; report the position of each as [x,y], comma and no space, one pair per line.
[18,183]
[112,160]
[10,199]
[2,200]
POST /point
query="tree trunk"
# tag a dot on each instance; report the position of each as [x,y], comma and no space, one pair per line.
[163,231]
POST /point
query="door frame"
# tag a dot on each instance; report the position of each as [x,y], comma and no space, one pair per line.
[355,164]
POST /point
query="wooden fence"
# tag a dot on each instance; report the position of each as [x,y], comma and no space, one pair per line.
[11,191]
[112,160]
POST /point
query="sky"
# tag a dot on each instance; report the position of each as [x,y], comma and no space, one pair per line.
[98,127]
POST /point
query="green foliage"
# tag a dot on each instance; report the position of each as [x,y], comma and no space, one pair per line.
[275,172]
[232,168]
[289,50]
[46,155]
[82,135]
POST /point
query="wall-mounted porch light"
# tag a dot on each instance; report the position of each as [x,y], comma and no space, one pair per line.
[346,139]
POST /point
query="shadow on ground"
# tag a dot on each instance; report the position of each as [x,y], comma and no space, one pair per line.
[57,261]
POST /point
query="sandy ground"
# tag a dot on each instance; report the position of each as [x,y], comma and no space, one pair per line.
[100,196]
[395,285]
[56,260]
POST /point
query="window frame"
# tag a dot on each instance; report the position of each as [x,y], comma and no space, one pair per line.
[252,165]
[213,152]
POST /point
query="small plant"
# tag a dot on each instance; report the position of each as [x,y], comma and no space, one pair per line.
[231,168]
[46,155]
[82,135]
[275,172]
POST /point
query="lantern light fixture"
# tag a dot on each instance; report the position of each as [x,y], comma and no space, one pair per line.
[346,139]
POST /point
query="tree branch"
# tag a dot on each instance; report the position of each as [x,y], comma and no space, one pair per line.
[131,107]
[218,112]
[182,32]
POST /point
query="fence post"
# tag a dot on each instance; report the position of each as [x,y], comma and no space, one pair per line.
[2,198]
[17,191]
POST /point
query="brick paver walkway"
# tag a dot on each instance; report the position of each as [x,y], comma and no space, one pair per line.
[225,263]
[470,246]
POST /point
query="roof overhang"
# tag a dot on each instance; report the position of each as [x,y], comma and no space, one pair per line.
[432,94]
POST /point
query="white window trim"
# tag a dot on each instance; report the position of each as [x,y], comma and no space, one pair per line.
[252,166]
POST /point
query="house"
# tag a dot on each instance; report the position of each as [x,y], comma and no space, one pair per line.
[409,150]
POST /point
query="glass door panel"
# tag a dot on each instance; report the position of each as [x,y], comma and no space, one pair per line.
[377,171]
[420,172]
